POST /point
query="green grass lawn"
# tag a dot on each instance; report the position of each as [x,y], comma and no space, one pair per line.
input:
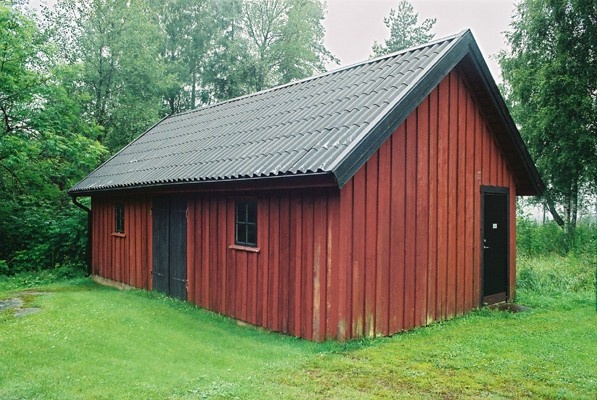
[92,342]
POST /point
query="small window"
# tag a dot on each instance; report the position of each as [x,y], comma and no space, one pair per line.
[246,223]
[119,217]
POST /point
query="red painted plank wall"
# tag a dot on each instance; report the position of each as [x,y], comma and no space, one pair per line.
[409,221]
[279,287]
[124,257]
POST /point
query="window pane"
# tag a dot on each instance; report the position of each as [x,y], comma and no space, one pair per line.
[252,234]
[241,233]
[119,217]
[240,211]
[252,212]
[245,229]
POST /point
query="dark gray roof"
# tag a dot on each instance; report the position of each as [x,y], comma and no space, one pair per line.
[331,123]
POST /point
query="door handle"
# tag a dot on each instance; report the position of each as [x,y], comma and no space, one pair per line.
[486,247]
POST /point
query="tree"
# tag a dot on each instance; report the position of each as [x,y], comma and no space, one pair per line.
[264,43]
[116,44]
[18,44]
[285,39]
[405,30]
[225,73]
[550,78]
[45,147]
[187,28]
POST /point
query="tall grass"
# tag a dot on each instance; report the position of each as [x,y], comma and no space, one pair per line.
[548,267]
[555,274]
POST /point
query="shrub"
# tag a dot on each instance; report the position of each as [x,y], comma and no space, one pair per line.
[3,267]
[49,239]
[25,280]
[534,239]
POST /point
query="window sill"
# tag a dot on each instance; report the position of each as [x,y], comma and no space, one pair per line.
[244,248]
[118,234]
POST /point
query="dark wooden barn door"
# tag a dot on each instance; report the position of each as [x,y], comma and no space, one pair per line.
[495,244]
[170,246]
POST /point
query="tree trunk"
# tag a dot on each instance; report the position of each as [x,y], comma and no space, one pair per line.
[574,205]
[193,89]
[172,103]
[554,213]
[568,221]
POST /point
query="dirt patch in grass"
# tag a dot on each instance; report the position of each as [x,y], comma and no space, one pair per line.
[511,307]
[13,303]
[19,305]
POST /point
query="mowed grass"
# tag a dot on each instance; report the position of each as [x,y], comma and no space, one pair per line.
[92,342]
[545,353]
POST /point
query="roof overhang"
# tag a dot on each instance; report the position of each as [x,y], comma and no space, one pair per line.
[238,185]
[500,122]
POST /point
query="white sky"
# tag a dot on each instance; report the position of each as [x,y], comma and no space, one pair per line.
[353,25]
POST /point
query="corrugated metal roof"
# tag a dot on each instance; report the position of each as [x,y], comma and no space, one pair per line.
[316,125]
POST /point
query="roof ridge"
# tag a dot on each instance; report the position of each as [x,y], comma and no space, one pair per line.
[420,46]
[457,38]
[326,73]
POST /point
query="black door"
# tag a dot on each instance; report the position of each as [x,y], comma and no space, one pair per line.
[170,246]
[495,244]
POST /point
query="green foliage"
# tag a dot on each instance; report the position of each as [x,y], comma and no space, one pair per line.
[536,240]
[551,263]
[19,58]
[61,274]
[115,46]
[550,78]
[48,236]
[264,43]
[285,41]
[4,269]
[142,59]
[224,74]
[188,28]
[46,145]
[405,30]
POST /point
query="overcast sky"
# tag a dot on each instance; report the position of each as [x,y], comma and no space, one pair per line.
[353,25]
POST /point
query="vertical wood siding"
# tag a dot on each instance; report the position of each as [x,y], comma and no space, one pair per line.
[122,257]
[410,220]
[274,287]
[397,247]
[280,287]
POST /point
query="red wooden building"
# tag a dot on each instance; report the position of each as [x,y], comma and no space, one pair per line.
[364,201]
